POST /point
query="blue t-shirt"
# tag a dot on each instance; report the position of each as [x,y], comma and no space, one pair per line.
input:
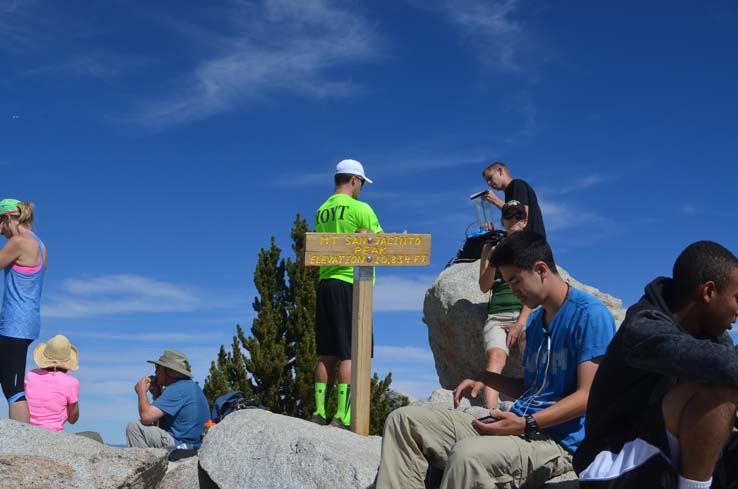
[185,411]
[580,331]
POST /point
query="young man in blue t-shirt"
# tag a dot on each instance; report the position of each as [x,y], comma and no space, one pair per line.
[535,440]
[179,405]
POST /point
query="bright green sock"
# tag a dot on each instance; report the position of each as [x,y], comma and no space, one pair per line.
[320,399]
[343,411]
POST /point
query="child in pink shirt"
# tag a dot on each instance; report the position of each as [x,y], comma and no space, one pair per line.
[53,394]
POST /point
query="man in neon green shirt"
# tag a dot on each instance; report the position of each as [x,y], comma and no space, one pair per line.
[341,213]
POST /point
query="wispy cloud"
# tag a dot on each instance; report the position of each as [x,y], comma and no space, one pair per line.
[276,46]
[560,216]
[412,354]
[120,294]
[397,293]
[101,65]
[489,25]
[399,162]
[582,183]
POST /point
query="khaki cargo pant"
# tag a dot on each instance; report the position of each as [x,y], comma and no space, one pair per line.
[415,436]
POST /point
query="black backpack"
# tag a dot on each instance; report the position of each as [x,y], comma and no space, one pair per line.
[233,401]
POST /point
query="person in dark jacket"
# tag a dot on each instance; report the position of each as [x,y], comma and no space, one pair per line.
[663,403]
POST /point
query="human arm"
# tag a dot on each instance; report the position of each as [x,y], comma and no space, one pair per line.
[518,328]
[486,270]
[148,413]
[570,407]
[492,198]
[72,413]
[654,343]
[510,386]
[10,252]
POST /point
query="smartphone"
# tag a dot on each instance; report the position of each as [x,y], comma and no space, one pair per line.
[488,419]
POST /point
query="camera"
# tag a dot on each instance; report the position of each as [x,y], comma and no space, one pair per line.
[492,238]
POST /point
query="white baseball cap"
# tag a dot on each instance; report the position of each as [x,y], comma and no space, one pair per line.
[352,167]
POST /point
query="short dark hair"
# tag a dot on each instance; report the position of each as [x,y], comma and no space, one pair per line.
[496,164]
[701,262]
[523,249]
[342,178]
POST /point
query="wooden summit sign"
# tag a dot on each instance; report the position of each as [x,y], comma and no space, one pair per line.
[364,251]
[367,250]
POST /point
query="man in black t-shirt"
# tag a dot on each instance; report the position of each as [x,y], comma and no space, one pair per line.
[497,176]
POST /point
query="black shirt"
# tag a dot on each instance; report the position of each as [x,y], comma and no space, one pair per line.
[522,192]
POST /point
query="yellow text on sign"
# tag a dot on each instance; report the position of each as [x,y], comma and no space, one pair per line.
[366,249]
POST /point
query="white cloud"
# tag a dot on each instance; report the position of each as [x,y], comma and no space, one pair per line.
[411,354]
[399,162]
[278,46]
[397,293]
[582,183]
[119,294]
[489,25]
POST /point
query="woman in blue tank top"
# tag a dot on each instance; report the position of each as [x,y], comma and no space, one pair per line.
[24,260]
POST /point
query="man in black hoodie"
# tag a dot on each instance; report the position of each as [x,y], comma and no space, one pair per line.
[663,403]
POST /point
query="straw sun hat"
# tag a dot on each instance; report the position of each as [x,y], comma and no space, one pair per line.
[58,352]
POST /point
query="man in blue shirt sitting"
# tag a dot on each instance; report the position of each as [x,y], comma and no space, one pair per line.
[179,406]
[535,440]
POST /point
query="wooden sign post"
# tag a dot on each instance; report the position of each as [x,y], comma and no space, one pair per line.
[364,251]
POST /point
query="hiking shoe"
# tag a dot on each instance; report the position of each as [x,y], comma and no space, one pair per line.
[318,419]
[337,423]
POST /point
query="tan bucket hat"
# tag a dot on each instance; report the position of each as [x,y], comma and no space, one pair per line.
[58,352]
[174,360]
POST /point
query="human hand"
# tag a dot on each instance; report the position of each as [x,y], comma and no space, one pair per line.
[142,386]
[513,333]
[490,196]
[467,386]
[487,250]
[507,424]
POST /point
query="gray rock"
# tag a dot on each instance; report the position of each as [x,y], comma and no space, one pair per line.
[71,461]
[455,310]
[34,472]
[255,448]
[181,475]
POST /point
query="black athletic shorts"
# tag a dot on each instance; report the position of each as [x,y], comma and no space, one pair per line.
[333,318]
[13,367]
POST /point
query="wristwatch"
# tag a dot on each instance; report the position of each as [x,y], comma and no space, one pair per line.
[532,433]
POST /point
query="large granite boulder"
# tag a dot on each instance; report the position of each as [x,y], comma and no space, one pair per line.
[455,310]
[33,457]
[256,448]
[181,474]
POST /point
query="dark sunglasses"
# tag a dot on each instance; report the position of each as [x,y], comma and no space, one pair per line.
[517,215]
[361,179]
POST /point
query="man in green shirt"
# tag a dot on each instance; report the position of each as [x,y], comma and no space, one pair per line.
[341,213]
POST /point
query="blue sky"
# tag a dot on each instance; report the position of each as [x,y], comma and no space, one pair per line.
[165,143]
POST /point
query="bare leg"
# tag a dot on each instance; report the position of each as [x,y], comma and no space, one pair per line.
[496,359]
[325,368]
[701,417]
[19,412]
[344,372]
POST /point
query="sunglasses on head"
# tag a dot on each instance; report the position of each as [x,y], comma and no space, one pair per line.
[514,215]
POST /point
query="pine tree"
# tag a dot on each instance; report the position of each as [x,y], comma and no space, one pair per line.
[275,364]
